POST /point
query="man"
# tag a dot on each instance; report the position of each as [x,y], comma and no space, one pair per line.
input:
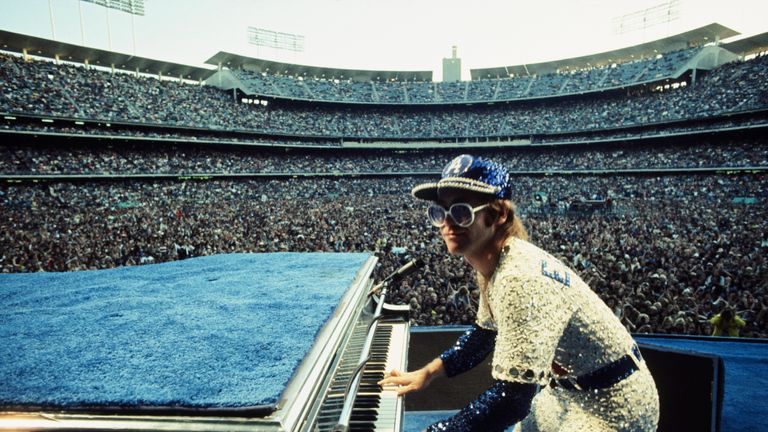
[561,359]
[727,323]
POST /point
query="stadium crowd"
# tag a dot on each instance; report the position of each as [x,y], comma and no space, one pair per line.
[44,88]
[480,90]
[132,132]
[151,158]
[665,254]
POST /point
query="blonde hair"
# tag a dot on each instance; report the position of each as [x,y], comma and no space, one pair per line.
[513,226]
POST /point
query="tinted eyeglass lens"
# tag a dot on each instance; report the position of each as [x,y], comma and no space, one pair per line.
[436,215]
[462,214]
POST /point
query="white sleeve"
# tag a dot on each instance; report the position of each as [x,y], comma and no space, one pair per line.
[531,314]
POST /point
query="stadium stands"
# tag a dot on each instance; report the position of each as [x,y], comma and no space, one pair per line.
[662,243]
[669,247]
[656,68]
[43,88]
[147,158]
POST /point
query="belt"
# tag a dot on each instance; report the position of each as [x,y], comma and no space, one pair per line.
[605,376]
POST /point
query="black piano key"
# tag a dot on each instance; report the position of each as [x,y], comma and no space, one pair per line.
[365,414]
[362,426]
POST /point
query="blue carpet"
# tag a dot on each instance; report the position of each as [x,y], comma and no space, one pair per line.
[416,421]
[217,331]
[746,378]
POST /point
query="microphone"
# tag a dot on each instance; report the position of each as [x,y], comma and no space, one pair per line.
[411,267]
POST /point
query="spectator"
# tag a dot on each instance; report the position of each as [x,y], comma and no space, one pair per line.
[727,323]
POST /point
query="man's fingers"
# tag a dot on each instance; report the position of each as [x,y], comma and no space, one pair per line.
[405,389]
[401,382]
[389,376]
[394,380]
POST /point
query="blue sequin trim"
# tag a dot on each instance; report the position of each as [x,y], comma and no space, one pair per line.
[502,405]
[470,349]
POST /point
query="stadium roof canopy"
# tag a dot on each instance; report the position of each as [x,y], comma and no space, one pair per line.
[40,47]
[700,36]
[748,45]
[236,61]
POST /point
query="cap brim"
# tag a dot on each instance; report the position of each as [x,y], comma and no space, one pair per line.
[425,191]
[429,191]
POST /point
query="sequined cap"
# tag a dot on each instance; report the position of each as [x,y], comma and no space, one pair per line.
[472,174]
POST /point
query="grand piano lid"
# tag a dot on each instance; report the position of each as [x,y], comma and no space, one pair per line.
[221,337]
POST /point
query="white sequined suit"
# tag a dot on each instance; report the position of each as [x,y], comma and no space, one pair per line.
[543,312]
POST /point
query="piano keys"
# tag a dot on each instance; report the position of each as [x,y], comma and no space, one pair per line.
[372,407]
[377,408]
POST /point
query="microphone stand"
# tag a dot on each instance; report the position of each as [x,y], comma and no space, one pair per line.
[411,267]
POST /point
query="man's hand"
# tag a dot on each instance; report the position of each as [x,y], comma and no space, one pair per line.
[406,382]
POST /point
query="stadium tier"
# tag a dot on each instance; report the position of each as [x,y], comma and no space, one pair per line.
[144,157]
[42,88]
[615,75]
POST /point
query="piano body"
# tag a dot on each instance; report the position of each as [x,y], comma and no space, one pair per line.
[364,334]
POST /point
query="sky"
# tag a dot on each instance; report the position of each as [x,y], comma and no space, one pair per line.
[405,35]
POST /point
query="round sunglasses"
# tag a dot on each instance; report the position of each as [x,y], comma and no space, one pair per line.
[462,214]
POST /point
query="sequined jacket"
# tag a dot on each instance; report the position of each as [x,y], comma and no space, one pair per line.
[543,312]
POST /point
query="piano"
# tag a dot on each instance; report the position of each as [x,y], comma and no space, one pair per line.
[333,389]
